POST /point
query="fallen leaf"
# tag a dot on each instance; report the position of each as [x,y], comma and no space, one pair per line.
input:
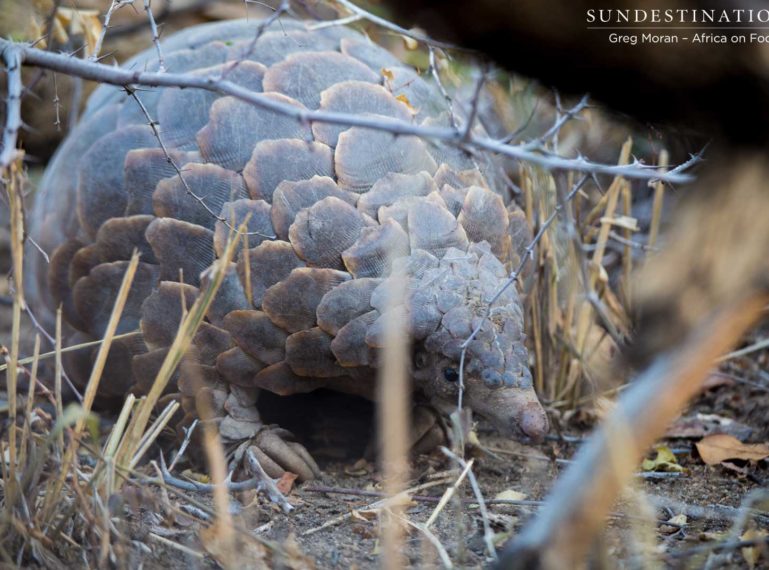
[698,426]
[679,519]
[411,43]
[405,100]
[387,74]
[85,22]
[714,449]
[286,482]
[665,460]
[751,554]
[510,495]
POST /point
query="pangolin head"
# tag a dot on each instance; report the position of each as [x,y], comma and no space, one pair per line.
[447,299]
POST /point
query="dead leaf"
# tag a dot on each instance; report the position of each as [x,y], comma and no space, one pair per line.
[286,482]
[85,22]
[679,519]
[411,43]
[664,461]
[405,100]
[698,426]
[510,495]
[714,449]
[387,74]
[751,554]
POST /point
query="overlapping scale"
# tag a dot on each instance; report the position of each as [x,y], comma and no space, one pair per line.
[235,126]
[303,76]
[360,98]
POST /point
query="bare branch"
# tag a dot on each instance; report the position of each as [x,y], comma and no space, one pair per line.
[126,78]
[393,27]
[115,5]
[12,60]
[155,35]
[199,199]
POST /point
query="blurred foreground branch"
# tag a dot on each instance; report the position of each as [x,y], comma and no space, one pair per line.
[582,498]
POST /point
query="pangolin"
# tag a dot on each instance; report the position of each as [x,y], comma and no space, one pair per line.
[332,213]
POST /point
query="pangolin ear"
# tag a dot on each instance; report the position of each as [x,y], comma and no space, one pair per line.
[349,345]
[291,197]
[101,187]
[432,227]
[345,303]
[94,296]
[363,156]
[393,187]
[144,168]
[181,248]
[268,263]
[292,303]
[274,161]
[308,353]
[485,218]
[323,231]
[356,97]
[257,216]
[256,335]
[234,128]
[373,253]
[181,199]
[161,312]
[304,75]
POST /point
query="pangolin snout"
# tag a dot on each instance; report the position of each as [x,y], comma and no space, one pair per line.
[532,422]
[516,412]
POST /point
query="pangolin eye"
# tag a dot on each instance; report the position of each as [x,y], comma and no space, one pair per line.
[451,374]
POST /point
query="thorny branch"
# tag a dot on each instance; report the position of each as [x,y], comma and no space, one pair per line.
[199,199]
[155,35]
[373,18]
[115,5]
[12,61]
[131,78]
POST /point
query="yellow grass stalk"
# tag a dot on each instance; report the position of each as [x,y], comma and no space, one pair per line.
[13,189]
[74,347]
[659,196]
[93,383]
[585,318]
[57,375]
[26,432]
